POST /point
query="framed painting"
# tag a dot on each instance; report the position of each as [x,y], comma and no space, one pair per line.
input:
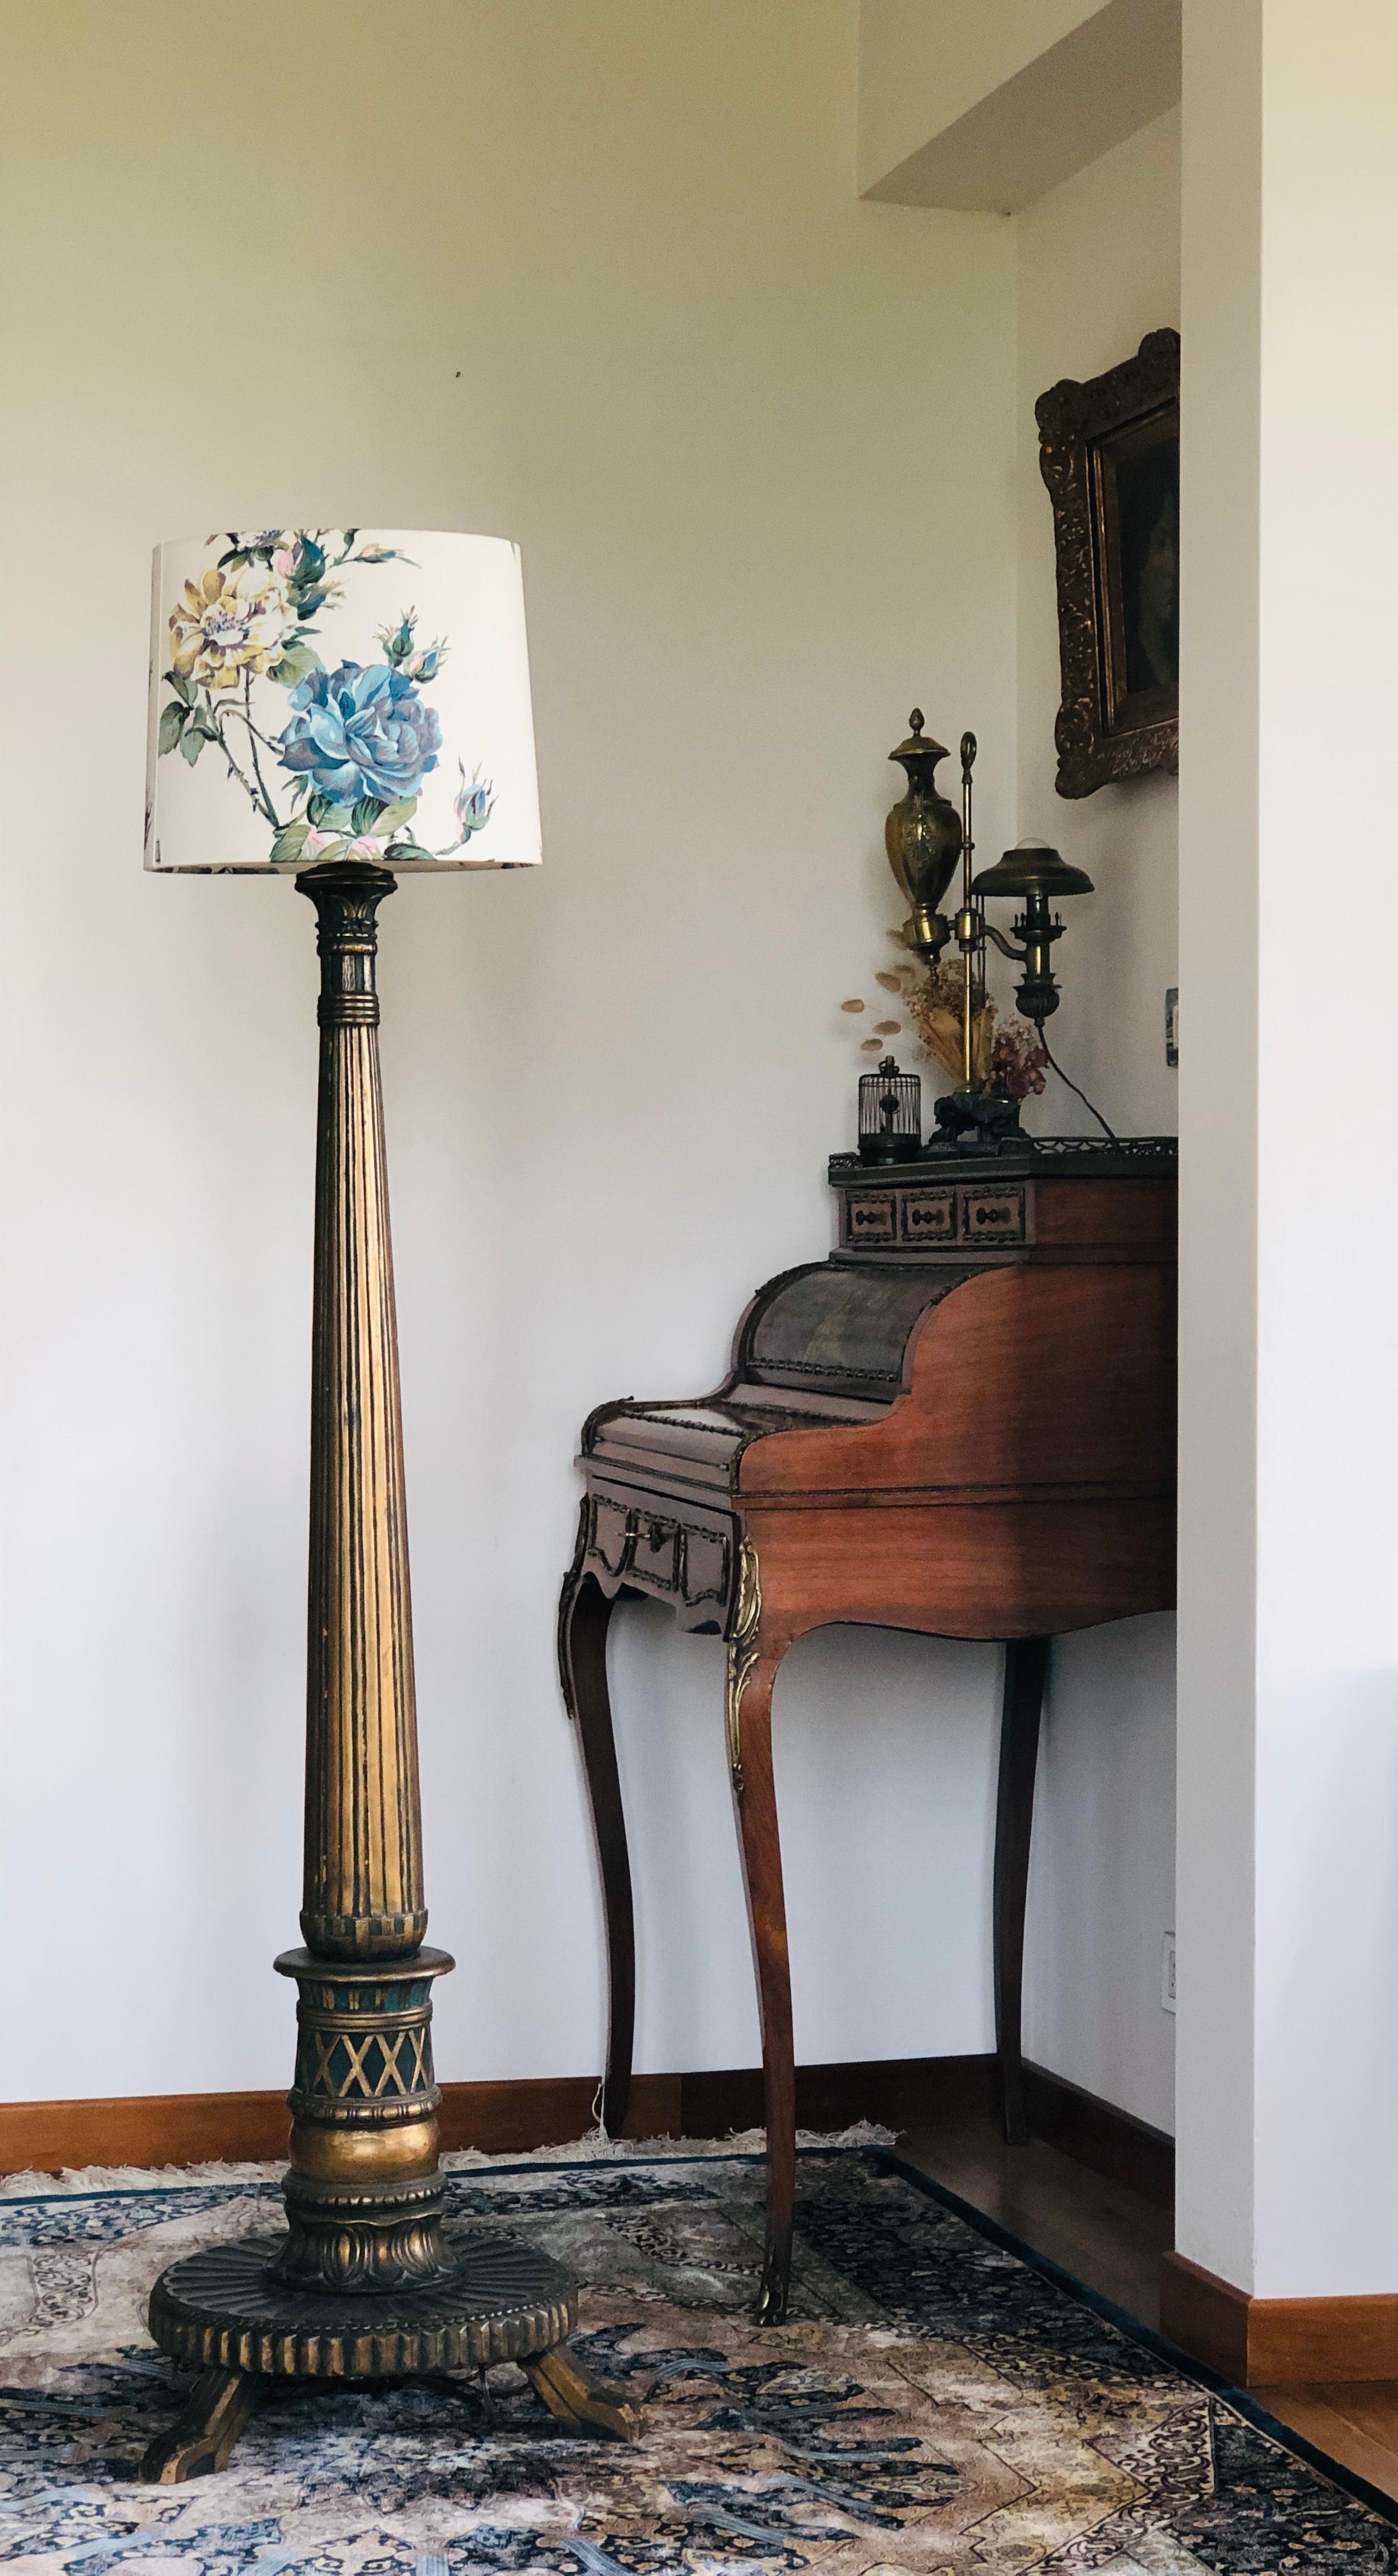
[1109,452]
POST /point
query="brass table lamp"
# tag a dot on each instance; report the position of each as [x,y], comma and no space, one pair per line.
[1035,876]
[305,722]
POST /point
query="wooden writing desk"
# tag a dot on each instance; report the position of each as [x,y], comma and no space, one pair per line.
[962,1422]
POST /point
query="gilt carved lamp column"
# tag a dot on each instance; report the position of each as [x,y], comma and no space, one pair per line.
[346,706]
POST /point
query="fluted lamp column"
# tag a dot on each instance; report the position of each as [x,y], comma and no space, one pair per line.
[306,721]
[364,2195]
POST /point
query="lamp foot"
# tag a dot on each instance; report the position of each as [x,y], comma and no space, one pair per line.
[202,2437]
[976,1122]
[231,2307]
[581,2402]
[775,2291]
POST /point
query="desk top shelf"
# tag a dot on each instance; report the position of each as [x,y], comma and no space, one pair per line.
[1064,1200]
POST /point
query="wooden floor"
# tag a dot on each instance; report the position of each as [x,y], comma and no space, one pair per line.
[1111,2238]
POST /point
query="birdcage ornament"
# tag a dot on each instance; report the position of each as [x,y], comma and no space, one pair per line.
[890,1115]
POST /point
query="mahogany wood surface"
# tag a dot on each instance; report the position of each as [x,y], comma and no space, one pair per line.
[953,1568]
[1022,1377]
[1106,1221]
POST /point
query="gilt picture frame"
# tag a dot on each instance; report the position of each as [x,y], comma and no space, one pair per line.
[1109,454]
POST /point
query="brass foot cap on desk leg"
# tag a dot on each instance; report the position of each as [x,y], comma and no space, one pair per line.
[202,2438]
[775,2291]
[584,2404]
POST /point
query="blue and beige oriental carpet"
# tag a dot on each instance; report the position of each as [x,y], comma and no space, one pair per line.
[937,2403]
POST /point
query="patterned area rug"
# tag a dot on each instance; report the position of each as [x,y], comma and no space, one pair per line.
[936,2404]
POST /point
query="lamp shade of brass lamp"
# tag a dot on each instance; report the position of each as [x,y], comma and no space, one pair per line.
[345,705]
[1035,876]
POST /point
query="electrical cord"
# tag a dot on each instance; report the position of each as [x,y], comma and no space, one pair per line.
[1052,1059]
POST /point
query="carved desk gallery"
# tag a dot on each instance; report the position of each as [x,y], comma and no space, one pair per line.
[962,1422]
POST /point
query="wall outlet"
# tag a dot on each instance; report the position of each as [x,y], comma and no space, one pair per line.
[1167,1974]
[1172,1024]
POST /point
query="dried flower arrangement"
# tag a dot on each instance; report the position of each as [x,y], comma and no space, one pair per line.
[1010,1058]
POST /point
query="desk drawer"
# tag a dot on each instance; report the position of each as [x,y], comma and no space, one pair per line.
[662,1550]
[938,1216]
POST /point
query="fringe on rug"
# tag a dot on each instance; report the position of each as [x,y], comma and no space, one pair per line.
[594,2149]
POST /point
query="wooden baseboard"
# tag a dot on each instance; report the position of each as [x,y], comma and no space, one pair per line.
[1096,2134]
[141,2129]
[550,2111]
[1261,2343]
[503,2118]
[900,2091]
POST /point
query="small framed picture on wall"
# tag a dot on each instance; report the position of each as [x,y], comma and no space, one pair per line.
[1109,451]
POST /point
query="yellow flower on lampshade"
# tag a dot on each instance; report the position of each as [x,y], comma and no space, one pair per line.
[231,621]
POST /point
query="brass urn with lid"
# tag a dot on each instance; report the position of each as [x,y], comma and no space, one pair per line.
[923,839]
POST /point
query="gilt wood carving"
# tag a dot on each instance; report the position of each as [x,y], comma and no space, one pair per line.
[1089,434]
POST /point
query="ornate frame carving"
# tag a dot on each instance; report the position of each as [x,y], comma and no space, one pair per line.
[1103,733]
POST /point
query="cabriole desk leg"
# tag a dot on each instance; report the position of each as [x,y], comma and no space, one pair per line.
[584,1616]
[1026,1669]
[752,1669]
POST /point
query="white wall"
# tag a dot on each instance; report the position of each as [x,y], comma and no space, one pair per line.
[594,277]
[925,63]
[1288,1876]
[1220,456]
[1098,268]
[992,103]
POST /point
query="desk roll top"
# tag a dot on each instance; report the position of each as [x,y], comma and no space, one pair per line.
[993,1358]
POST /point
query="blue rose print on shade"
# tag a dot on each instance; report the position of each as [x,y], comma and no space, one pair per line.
[357,732]
[359,740]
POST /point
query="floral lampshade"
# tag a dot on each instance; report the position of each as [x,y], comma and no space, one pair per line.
[328,693]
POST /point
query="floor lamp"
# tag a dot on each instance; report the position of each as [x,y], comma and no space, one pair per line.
[344,706]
